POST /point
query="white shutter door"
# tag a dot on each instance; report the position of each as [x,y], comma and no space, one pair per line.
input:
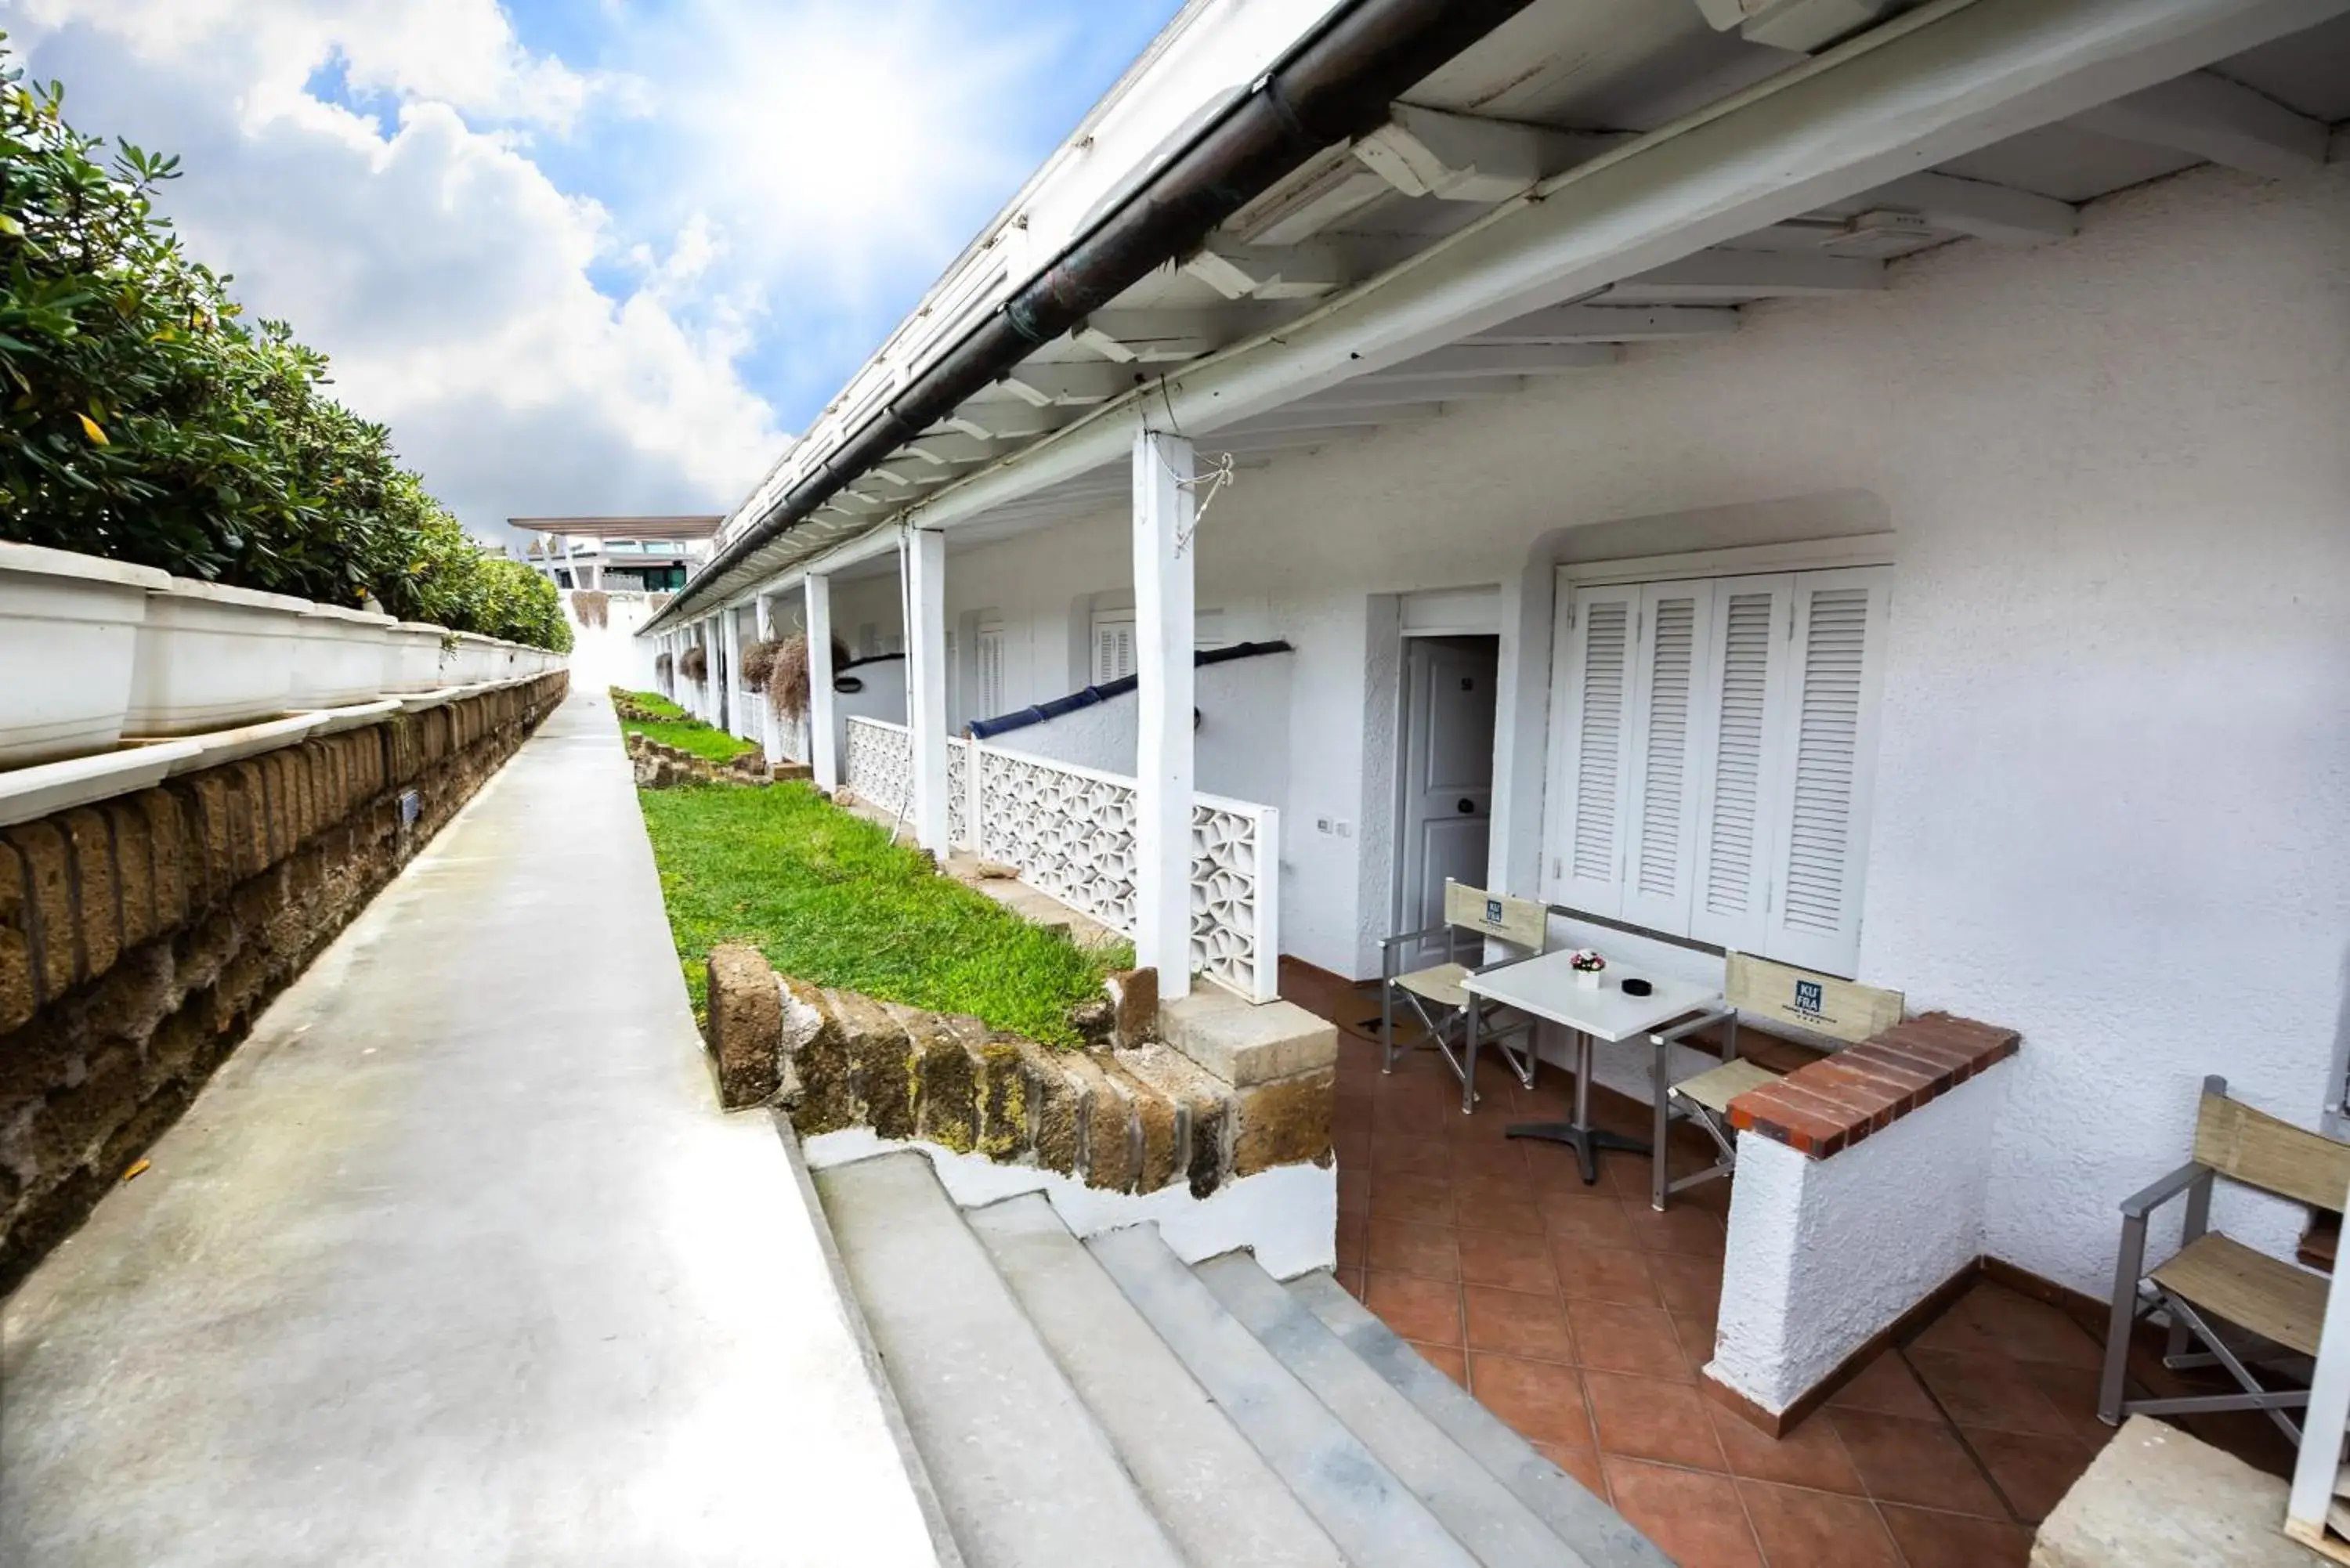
[991,673]
[1671,674]
[1829,760]
[1596,710]
[1744,716]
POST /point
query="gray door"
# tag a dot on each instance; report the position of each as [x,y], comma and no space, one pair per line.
[1448,772]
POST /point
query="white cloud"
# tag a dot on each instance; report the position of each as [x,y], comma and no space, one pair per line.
[774,181]
[437,265]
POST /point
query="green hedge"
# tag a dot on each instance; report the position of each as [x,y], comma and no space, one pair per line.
[142,418]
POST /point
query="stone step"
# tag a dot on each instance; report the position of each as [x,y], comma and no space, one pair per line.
[1024,1475]
[1370,1514]
[1210,1491]
[1479,1512]
[1585,1523]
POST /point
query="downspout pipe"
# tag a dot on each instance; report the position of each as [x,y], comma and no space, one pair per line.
[1334,86]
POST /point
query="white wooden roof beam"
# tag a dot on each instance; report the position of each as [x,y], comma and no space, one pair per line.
[1929,86]
[1613,323]
[1459,158]
[1328,189]
[1369,392]
[2216,119]
[1719,277]
[1068,385]
[1478,360]
[1996,214]
[1240,270]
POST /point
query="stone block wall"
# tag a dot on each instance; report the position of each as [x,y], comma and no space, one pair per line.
[140,936]
[1131,1119]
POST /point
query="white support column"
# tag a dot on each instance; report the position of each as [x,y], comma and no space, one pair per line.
[770,732]
[730,640]
[926,684]
[824,750]
[1163,512]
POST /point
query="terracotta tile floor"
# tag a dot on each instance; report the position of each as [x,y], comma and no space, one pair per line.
[1582,1317]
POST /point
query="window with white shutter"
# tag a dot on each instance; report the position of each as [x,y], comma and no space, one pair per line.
[1113,646]
[1597,698]
[1672,659]
[1716,746]
[989,649]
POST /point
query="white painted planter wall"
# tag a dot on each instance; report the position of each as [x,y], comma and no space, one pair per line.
[342,656]
[411,656]
[69,646]
[210,657]
[93,651]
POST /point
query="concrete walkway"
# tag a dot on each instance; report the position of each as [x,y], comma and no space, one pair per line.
[456,1262]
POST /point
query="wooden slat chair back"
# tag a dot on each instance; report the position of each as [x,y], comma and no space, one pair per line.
[1816,1004]
[2259,1150]
[2214,1279]
[1520,922]
[1819,1004]
[1434,991]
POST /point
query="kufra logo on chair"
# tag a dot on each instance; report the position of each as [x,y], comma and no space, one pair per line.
[1808,998]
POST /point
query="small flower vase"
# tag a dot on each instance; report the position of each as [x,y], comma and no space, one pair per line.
[1589,979]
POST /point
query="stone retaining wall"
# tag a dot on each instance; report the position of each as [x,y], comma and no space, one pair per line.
[1134,1119]
[140,936]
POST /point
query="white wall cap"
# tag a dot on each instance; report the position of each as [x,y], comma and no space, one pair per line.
[222,593]
[40,560]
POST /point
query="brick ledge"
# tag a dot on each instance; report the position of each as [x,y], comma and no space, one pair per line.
[1831,1104]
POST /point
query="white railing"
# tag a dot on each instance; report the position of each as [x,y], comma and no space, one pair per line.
[1070,832]
[791,736]
[1236,895]
[880,764]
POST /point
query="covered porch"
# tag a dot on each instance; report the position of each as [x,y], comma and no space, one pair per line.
[1790,526]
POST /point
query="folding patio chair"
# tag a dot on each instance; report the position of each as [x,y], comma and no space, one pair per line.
[1816,1004]
[2214,1281]
[1473,917]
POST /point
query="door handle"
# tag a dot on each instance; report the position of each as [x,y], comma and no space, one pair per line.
[1468,808]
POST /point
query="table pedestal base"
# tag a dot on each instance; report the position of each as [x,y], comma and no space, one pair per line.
[1585,1141]
[1579,1134]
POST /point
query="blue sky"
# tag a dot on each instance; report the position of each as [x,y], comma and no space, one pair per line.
[597,256]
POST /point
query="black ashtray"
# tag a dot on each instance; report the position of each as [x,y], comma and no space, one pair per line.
[1636,987]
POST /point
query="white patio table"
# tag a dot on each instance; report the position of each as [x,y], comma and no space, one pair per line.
[1547,987]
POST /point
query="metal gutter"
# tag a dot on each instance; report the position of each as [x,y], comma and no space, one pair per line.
[1337,84]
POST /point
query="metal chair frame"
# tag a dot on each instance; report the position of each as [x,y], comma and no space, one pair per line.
[2135,1295]
[1447,1028]
[1672,1106]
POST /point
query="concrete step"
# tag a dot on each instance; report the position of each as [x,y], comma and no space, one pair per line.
[1584,1521]
[1479,1512]
[1026,1478]
[1210,1491]
[1373,1516]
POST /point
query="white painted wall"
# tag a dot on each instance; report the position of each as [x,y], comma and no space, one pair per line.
[611,655]
[1825,1253]
[1241,703]
[2110,792]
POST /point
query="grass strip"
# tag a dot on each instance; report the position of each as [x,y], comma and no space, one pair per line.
[831,899]
[674,728]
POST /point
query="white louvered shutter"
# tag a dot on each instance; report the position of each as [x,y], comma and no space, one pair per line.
[1113,648]
[1672,671]
[991,673]
[1595,751]
[1745,716]
[1837,645]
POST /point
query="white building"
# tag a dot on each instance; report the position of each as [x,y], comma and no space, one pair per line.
[1862,484]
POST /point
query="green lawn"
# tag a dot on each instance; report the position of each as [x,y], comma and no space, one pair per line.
[831,899]
[672,727]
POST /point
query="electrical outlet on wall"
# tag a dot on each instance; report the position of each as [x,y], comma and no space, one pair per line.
[1321,824]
